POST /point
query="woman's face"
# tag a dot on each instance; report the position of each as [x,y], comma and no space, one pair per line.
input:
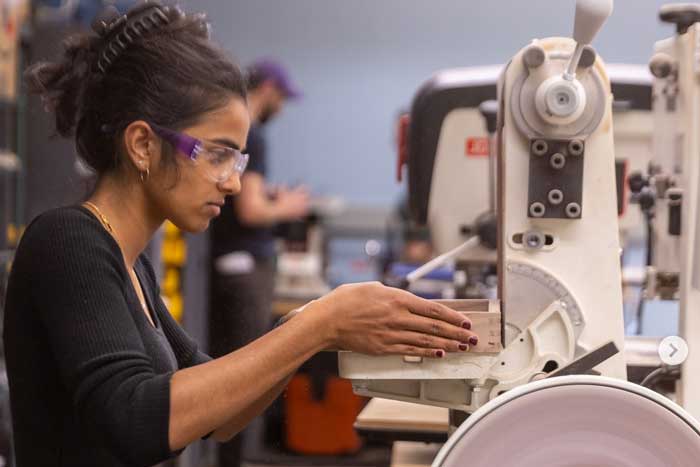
[190,197]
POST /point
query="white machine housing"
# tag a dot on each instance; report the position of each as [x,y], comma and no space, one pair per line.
[677,150]
[561,297]
[583,257]
[458,189]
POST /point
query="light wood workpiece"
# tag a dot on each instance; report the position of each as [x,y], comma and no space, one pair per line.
[413,454]
[397,416]
[384,418]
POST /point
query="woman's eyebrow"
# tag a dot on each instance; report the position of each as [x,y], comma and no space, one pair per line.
[226,142]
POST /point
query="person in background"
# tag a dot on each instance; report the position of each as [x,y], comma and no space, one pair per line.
[242,240]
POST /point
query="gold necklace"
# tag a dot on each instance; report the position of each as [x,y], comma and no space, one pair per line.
[101,216]
[110,229]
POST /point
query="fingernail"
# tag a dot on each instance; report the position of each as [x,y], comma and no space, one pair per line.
[440,353]
[473,340]
[463,347]
[467,325]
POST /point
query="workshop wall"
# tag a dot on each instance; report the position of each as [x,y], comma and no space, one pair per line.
[360,61]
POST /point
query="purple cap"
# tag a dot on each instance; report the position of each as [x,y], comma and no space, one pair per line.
[273,70]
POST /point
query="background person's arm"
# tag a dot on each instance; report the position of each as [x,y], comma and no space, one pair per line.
[256,209]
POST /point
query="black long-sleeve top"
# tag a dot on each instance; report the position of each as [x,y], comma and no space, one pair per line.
[89,375]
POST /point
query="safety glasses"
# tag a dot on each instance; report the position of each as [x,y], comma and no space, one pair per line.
[219,162]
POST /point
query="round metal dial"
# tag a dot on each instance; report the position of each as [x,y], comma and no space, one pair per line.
[531,290]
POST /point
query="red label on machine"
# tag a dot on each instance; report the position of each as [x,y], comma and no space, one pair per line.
[477,147]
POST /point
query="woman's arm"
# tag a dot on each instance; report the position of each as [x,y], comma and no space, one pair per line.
[221,396]
[234,426]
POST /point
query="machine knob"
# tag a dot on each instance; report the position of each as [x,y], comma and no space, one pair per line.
[662,65]
[560,101]
[675,211]
[590,17]
[636,181]
[683,15]
[489,110]
[487,229]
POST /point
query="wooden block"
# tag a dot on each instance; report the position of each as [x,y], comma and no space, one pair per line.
[485,316]
[488,327]
[389,415]
[412,454]
[472,305]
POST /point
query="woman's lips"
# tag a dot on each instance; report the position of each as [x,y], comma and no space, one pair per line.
[214,208]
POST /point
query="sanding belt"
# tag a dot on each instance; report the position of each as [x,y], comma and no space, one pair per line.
[576,421]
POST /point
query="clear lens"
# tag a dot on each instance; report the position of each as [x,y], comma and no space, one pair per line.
[221,163]
[242,163]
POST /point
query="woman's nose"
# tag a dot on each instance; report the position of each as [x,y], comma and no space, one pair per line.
[232,185]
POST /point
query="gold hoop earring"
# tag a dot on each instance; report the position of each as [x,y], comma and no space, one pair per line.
[148,174]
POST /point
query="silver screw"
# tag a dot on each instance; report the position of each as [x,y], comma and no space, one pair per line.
[573,210]
[540,147]
[576,147]
[533,240]
[557,161]
[537,209]
[555,197]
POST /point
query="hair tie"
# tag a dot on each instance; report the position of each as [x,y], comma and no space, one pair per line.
[121,31]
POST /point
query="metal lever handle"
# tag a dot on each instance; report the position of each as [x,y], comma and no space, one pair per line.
[590,17]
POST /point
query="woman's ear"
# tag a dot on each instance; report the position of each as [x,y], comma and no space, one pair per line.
[142,146]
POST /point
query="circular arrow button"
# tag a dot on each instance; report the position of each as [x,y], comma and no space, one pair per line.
[673,350]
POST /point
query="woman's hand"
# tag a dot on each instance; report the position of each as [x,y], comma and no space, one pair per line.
[373,319]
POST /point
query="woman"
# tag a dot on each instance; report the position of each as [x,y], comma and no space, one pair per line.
[99,372]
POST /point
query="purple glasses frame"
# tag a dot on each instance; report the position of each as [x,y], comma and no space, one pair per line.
[192,147]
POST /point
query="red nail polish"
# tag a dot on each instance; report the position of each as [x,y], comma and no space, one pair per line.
[463,347]
[440,353]
[467,325]
[473,340]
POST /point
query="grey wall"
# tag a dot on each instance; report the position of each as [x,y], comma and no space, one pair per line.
[360,61]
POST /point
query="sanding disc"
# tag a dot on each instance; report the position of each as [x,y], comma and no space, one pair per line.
[575,421]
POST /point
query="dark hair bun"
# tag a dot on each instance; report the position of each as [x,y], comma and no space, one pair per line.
[62,84]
